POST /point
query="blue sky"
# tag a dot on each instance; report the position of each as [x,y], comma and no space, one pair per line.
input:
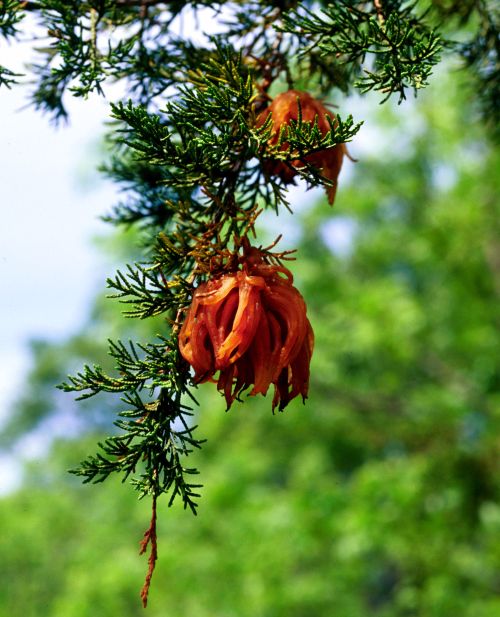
[51,200]
[47,265]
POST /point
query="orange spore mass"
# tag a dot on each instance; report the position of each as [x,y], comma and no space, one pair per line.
[251,327]
[285,107]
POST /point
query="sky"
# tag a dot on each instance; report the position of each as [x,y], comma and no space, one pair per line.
[51,201]
[47,265]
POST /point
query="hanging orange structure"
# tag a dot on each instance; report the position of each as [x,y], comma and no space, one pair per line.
[284,108]
[250,326]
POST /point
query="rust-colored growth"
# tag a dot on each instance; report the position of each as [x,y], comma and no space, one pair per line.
[285,107]
[251,327]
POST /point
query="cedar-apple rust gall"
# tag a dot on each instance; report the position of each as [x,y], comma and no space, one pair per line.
[284,108]
[248,329]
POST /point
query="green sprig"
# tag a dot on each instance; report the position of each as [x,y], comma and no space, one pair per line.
[401,47]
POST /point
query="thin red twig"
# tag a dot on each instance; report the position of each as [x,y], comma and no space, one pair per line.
[149,537]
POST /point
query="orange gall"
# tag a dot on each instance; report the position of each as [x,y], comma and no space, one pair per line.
[284,108]
[249,329]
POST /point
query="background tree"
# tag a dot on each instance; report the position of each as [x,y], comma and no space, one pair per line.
[381,495]
[191,157]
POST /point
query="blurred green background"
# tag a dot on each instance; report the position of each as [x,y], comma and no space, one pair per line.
[380,496]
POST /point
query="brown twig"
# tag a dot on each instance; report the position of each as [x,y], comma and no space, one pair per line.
[149,537]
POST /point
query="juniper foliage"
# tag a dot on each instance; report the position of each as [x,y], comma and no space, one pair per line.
[188,152]
[403,48]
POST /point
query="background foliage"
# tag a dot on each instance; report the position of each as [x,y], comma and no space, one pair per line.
[188,147]
[380,496]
